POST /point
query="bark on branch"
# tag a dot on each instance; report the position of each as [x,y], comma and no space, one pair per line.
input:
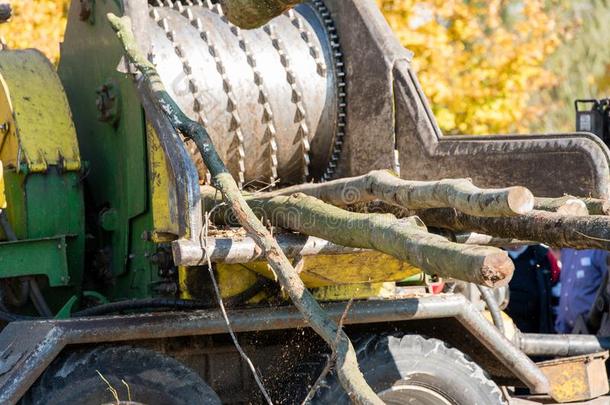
[474,238]
[592,232]
[347,365]
[414,195]
[254,13]
[406,239]
[594,206]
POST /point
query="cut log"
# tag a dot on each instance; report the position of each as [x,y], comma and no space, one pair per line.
[474,238]
[594,206]
[348,372]
[413,195]
[560,231]
[406,239]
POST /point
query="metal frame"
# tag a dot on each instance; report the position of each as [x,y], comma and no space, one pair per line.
[40,342]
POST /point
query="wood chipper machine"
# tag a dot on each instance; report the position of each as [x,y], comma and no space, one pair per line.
[112,258]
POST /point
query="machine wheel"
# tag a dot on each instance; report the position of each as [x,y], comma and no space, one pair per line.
[153,379]
[410,369]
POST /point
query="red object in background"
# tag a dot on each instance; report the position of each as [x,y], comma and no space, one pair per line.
[436,288]
[555,269]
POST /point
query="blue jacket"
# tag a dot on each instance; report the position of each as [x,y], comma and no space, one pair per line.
[581,274]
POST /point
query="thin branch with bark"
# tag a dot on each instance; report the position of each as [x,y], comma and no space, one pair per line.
[329,363]
[406,239]
[594,206]
[473,238]
[348,372]
[414,195]
[560,231]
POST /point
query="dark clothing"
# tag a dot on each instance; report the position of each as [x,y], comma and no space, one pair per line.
[530,291]
[582,272]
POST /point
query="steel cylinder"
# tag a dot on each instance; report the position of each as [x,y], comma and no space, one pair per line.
[269,97]
[534,344]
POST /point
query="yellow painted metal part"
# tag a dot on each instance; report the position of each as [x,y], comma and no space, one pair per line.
[355,291]
[234,279]
[184,284]
[35,119]
[510,329]
[579,378]
[164,209]
[2,195]
[358,268]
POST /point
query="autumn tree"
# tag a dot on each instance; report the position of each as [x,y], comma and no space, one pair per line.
[479,62]
[581,64]
[37,24]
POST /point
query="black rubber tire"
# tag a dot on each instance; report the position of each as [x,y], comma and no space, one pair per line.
[153,379]
[391,360]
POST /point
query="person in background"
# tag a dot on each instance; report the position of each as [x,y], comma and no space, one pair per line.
[530,289]
[582,272]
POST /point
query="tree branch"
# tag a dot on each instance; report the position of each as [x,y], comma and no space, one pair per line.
[347,365]
[414,195]
[592,232]
[593,206]
[407,239]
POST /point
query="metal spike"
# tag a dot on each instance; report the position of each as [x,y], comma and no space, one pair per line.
[267,113]
[299,115]
[296,96]
[197,105]
[193,86]
[321,69]
[258,79]
[231,103]
[262,97]
[226,85]
[290,77]
[235,122]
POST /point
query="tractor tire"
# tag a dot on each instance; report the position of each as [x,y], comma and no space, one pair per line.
[153,379]
[411,369]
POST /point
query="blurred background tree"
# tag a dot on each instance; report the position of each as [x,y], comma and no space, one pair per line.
[581,64]
[488,66]
[480,62]
[36,24]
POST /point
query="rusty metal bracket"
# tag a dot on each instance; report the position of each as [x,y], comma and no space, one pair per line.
[577,378]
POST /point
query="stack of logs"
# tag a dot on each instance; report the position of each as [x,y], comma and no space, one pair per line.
[383,212]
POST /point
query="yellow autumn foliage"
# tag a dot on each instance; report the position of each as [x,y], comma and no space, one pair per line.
[36,24]
[478,61]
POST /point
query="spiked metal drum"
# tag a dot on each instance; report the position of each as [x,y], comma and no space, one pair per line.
[326,90]
[272,99]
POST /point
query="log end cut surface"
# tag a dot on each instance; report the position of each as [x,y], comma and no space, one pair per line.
[520,200]
[497,270]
